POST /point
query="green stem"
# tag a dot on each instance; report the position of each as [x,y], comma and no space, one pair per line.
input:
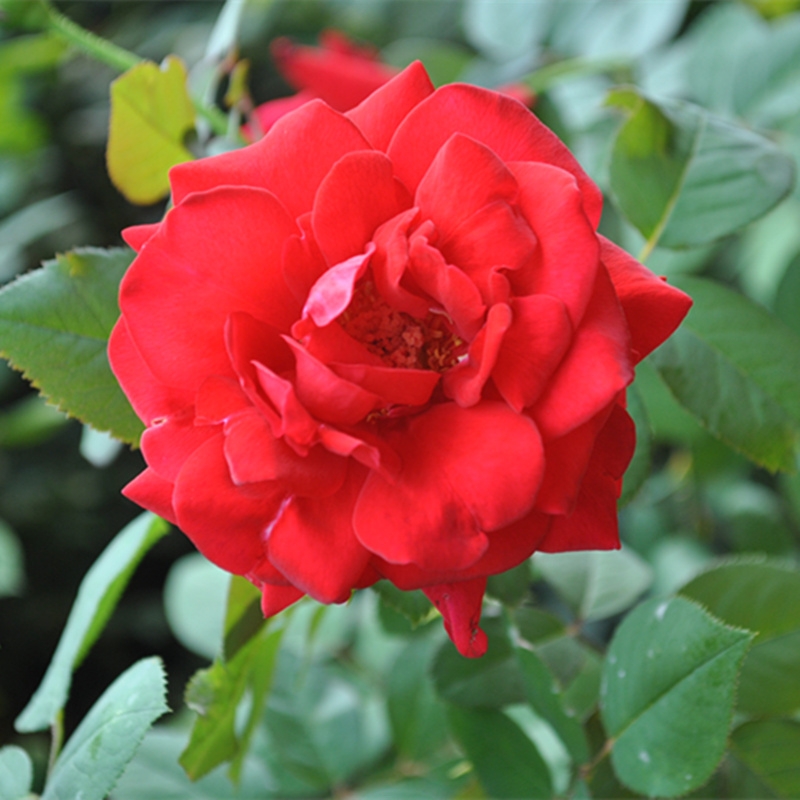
[121,60]
[56,740]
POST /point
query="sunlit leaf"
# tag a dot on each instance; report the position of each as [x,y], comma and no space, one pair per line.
[151,113]
[106,740]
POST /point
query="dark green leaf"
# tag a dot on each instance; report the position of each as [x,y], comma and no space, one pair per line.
[54,325]
[684,177]
[737,369]
[415,606]
[535,625]
[667,695]
[12,569]
[577,668]
[506,760]
[511,587]
[107,738]
[243,615]
[415,712]
[771,749]
[97,598]
[763,597]
[543,695]
[492,681]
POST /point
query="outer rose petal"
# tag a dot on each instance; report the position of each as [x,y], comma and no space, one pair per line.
[312,139]
[593,524]
[465,471]
[652,308]
[137,236]
[460,605]
[183,342]
[275,598]
[167,445]
[205,496]
[314,545]
[150,397]
[499,122]
[151,491]
[595,369]
[267,114]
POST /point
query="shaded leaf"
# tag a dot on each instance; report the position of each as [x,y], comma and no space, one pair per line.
[413,605]
[97,597]
[16,773]
[684,177]
[106,740]
[737,369]
[771,749]
[763,597]
[243,615]
[54,327]
[151,113]
[667,695]
[506,760]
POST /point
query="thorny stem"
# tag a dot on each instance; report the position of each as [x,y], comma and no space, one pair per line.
[121,60]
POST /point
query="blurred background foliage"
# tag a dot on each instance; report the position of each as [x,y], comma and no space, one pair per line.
[690,498]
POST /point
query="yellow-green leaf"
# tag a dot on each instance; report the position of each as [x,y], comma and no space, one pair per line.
[151,112]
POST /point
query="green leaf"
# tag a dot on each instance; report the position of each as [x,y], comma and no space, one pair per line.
[577,668]
[771,749]
[16,773]
[596,583]
[106,740]
[535,625]
[215,694]
[763,597]
[684,177]
[667,695]
[151,113]
[506,760]
[492,681]
[97,597]
[737,369]
[512,586]
[415,712]
[243,615]
[543,695]
[413,605]
[54,326]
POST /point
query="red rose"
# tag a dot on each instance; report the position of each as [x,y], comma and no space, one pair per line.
[339,72]
[387,344]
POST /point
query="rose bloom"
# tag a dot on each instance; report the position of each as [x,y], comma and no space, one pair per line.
[339,71]
[387,344]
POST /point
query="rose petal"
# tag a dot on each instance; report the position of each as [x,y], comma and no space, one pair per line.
[150,397]
[137,236]
[533,346]
[378,116]
[502,124]
[568,251]
[595,369]
[411,387]
[311,139]
[464,383]
[359,194]
[460,604]
[464,177]
[254,455]
[593,524]
[149,490]
[465,471]
[183,342]
[218,399]
[314,545]
[303,262]
[205,495]
[275,599]
[327,396]
[652,308]
[167,445]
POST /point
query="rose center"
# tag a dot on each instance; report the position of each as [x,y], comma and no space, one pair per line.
[397,338]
